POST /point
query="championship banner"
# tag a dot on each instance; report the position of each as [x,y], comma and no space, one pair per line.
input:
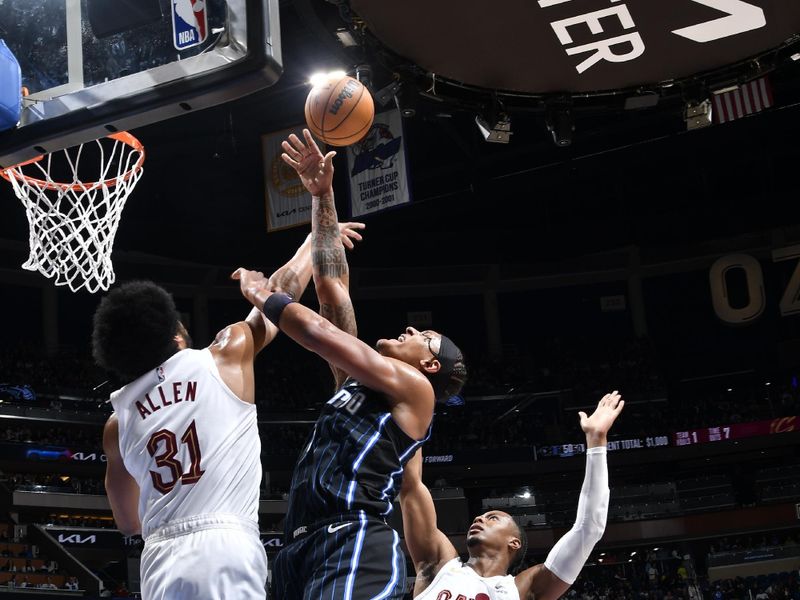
[377,167]
[288,202]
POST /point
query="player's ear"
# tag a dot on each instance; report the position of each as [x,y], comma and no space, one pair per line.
[514,544]
[430,366]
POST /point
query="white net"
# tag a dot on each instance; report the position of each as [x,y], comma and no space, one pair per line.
[72,223]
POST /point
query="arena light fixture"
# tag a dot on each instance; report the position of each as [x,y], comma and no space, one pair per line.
[497,133]
[698,115]
[346,38]
[322,78]
[387,93]
[561,126]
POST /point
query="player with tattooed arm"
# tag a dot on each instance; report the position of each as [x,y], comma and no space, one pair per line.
[338,545]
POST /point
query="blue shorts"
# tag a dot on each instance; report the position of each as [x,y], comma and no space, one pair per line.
[350,559]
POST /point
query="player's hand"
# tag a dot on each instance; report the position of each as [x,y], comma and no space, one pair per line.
[254,286]
[601,420]
[349,232]
[314,169]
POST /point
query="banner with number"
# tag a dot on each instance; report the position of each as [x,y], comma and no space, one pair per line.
[377,167]
[288,202]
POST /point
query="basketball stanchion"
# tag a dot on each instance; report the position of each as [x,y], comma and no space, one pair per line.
[73,220]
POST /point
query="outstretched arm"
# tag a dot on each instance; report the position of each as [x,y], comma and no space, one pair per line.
[236,346]
[562,566]
[329,263]
[408,391]
[429,548]
[292,278]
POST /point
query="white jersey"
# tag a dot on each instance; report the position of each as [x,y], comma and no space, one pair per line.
[189,442]
[457,581]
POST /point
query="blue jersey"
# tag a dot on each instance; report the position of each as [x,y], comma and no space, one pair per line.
[353,461]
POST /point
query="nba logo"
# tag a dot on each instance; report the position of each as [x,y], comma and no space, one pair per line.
[189,23]
[160,374]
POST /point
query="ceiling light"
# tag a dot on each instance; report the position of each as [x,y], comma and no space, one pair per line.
[498,133]
[318,79]
[561,126]
[346,38]
[698,115]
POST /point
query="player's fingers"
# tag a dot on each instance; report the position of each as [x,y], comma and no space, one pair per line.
[353,234]
[289,149]
[348,243]
[298,145]
[329,158]
[582,415]
[620,406]
[310,141]
[237,274]
[290,161]
[356,225]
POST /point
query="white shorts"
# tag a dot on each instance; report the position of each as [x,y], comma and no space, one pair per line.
[208,557]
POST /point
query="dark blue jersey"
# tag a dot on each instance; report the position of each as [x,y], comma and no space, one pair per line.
[353,461]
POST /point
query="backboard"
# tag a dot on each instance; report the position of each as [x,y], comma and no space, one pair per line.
[94,67]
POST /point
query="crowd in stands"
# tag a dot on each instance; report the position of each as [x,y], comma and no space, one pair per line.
[532,399]
[80,521]
[673,574]
[53,482]
[56,436]
[774,539]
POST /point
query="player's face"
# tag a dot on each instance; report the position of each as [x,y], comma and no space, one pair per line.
[492,530]
[412,346]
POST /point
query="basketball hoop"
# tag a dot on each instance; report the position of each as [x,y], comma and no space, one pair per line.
[73,223]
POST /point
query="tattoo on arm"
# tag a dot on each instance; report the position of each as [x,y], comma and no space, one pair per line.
[344,317]
[330,262]
[287,280]
[327,251]
[341,315]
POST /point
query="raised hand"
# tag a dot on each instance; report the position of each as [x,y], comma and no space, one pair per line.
[348,232]
[314,169]
[254,286]
[597,425]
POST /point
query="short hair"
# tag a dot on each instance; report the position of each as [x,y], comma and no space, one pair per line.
[518,561]
[134,329]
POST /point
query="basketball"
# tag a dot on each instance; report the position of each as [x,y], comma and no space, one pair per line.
[340,111]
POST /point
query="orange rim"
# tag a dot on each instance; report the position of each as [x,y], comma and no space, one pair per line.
[121,136]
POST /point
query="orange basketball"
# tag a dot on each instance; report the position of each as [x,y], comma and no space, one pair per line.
[340,111]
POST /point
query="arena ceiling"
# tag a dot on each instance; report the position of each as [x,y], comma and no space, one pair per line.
[630,176]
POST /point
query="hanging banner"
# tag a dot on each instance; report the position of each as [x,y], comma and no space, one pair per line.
[288,202]
[377,167]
